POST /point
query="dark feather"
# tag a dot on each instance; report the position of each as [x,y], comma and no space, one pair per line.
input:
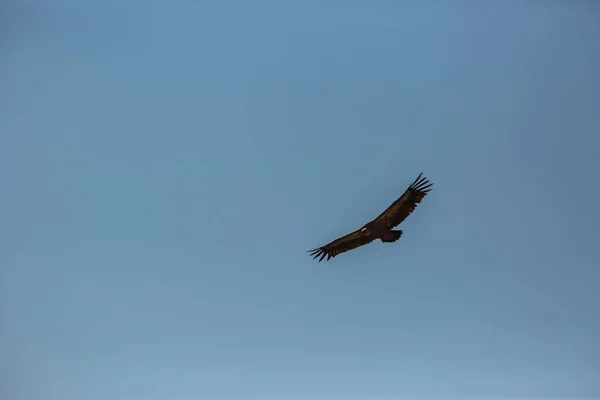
[341,245]
[406,204]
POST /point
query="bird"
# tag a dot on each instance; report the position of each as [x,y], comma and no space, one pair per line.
[381,227]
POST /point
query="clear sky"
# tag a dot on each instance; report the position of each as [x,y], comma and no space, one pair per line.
[165,165]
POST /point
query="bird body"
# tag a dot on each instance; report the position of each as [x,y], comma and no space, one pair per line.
[381,227]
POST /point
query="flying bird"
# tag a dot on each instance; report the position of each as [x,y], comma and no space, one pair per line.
[381,227]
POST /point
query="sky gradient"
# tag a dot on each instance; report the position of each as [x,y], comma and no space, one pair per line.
[164,166]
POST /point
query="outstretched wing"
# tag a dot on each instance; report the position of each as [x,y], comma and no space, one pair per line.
[343,244]
[406,204]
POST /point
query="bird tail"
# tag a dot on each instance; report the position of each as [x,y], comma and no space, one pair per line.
[392,236]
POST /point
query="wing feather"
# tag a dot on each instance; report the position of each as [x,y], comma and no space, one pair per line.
[406,204]
[345,243]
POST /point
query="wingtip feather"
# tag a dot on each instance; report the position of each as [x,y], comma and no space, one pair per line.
[421,184]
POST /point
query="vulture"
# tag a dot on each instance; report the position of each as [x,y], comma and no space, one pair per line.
[381,227]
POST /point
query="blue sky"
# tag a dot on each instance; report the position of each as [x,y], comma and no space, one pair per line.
[165,166]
